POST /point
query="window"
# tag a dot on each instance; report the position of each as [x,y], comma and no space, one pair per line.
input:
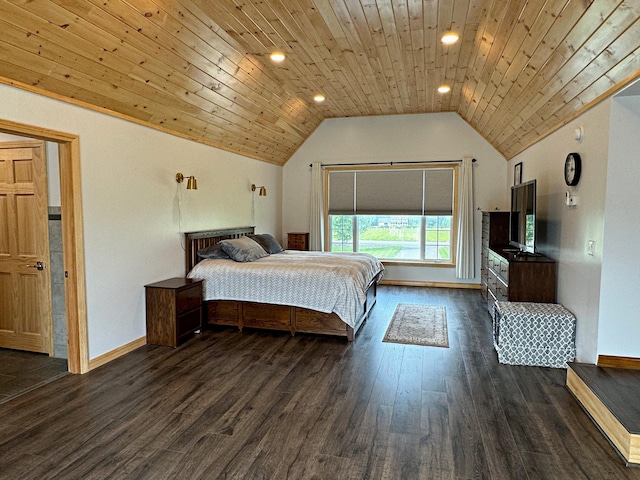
[394,213]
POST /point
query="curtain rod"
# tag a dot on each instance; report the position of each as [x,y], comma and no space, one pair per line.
[389,163]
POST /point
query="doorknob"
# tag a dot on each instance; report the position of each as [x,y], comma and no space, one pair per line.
[37,266]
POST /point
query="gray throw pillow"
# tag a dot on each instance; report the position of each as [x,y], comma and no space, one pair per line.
[243,249]
[268,242]
[213,251]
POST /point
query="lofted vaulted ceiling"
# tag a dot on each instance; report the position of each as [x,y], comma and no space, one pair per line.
[201,69]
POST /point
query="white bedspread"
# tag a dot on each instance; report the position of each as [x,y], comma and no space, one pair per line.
[326,282]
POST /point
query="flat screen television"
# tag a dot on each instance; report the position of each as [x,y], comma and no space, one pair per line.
[522,218]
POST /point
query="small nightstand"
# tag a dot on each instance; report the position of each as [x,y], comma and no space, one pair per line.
[174,310]
[298,241]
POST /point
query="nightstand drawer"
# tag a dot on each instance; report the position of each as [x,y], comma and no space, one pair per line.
[189,322]
[188,299]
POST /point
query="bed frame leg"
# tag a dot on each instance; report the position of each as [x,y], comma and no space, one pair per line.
[350,334]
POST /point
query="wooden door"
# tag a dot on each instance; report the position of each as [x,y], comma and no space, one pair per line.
[25,286]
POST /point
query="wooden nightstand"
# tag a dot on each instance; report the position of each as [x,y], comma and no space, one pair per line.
[298,241]
[174,310]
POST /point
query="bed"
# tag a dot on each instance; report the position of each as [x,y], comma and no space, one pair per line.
[236,293]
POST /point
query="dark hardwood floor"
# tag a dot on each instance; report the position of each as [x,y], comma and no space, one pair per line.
[21,372]
[260,405]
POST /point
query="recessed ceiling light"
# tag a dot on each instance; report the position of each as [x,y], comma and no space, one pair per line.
[318,98]
[450,38]
[277,56]
[444,88]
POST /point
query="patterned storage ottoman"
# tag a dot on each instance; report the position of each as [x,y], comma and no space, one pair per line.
[538,334]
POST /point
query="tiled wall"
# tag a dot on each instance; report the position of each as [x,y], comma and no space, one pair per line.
[57,284]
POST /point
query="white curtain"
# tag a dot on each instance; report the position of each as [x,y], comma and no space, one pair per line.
[316,215]
[465,257]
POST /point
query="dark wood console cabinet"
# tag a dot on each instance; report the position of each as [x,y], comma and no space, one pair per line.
[507,276]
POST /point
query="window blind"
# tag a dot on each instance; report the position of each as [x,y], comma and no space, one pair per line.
[341,193]
[426,191]
[438,191]
[389,192]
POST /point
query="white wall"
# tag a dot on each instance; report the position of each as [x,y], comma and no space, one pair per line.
[130,205]
[619,329]
[565,231]
[398,138]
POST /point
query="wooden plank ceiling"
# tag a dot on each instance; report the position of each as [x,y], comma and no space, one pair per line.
[201,68]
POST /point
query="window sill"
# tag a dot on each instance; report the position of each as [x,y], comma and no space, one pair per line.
[417,263]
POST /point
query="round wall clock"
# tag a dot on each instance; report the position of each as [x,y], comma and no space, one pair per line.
[572,169]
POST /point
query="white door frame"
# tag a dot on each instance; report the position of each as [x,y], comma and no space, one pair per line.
[72,237]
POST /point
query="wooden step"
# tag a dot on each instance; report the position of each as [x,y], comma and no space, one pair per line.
[611,397]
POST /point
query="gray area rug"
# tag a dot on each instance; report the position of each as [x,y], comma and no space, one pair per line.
[418,325]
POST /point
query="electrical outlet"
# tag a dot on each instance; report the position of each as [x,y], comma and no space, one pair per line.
[571,200]
[591,247]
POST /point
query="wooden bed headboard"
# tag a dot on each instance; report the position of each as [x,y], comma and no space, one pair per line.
[195,241]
